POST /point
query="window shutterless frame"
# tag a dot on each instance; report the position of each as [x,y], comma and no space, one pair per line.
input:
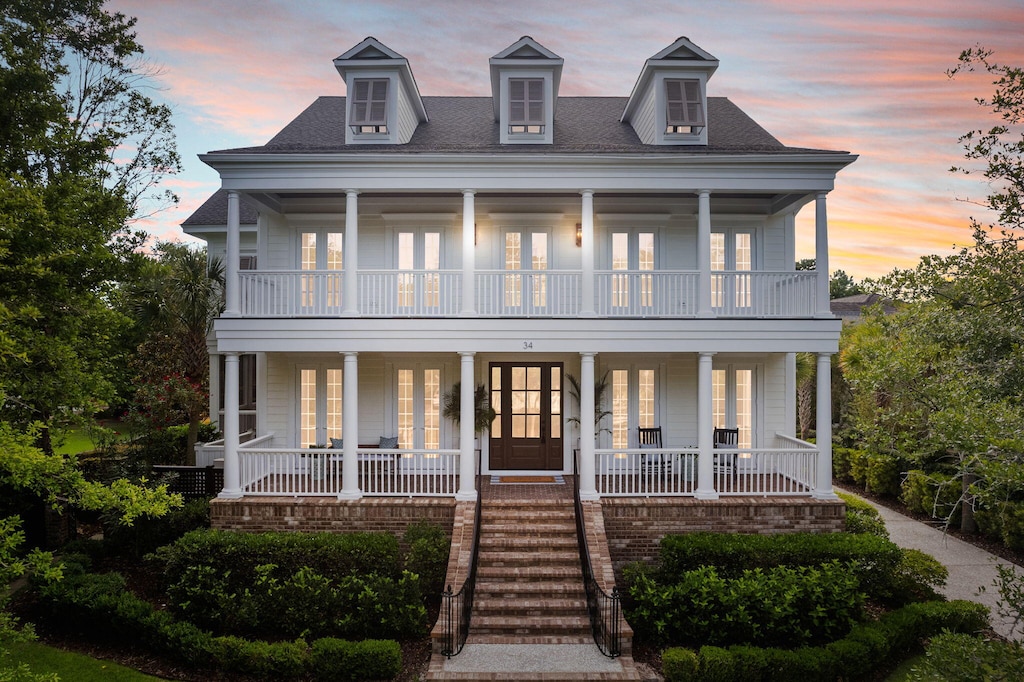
[368,112]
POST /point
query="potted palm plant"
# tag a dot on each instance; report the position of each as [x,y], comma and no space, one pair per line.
[483,413]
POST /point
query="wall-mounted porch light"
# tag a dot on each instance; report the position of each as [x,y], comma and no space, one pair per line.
[579,234]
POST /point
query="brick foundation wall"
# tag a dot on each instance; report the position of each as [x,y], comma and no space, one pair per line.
[328,514]
[635,526]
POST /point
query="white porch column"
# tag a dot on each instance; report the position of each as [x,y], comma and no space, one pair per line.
[704,253]
[232,478]
[823,429]
[587,470]
[467,419]
[468,253]
[232,296]
[350,281]
[215,390]
[821,257]
[350,429]
[587,255]
[705,431]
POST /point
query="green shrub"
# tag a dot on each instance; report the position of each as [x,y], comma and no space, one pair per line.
[963,658]
[238,554]
[841,463]
[862,517]
[873,559]
[428,555]
[679,665]
[776,606]
[882,474]
[99,605]
[716,665]
[336,659]
[1004,521]
[858,467]
[934,494]
[867,648]
[147,534]
[918,577]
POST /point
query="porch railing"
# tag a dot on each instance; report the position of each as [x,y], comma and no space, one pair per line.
[788,468]
[318,471]
[646,472]
[526,293]
[605,609]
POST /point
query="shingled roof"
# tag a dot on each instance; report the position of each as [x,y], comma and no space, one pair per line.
[214,211]
[584,125]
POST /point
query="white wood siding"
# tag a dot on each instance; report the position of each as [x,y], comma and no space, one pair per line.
[644,118]
[407,119]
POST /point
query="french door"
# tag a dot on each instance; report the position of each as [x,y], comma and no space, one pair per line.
[527,432]
[526,260]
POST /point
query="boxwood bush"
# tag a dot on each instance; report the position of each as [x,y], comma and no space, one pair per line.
[100,606]
[857,656]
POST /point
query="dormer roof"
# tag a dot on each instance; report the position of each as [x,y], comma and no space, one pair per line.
[524,54]
[681,56]
[373,55]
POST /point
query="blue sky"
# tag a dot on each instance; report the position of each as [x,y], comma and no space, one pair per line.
[866,77]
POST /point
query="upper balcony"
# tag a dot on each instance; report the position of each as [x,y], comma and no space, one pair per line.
[666,294]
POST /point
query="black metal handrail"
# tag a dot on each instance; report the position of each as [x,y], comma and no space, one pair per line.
[605,609]
[457,607]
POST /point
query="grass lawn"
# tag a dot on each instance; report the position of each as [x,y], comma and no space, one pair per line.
[79,439]
[70,666]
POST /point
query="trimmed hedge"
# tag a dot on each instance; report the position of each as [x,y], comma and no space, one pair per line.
[238,554]
[292,584]
[861,517]
[866,648]
[768,607]
[101,606]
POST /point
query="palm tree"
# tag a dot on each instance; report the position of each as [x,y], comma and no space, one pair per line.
[177,300]
[483,415]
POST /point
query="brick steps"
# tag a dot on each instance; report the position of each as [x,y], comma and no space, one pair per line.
[529,581]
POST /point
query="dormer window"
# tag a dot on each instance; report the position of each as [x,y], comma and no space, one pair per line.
[369,113]
[526,106]
[684,110]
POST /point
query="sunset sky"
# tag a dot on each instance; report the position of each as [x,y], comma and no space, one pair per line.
[866,77]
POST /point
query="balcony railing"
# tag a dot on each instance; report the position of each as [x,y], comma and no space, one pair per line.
[527,293]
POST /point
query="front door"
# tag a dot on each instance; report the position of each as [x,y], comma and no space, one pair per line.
[527,432]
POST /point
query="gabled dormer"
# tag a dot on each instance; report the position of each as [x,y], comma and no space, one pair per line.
[524,86]
[383,105]
[669,103]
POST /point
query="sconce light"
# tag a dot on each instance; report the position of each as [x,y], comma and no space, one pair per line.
[475,234]
[579,234]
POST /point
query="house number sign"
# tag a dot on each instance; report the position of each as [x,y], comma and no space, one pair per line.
[527,345]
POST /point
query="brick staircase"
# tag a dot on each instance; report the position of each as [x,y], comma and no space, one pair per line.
[529,587]
[530,618]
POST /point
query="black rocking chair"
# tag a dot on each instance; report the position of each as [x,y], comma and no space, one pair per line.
[651,438]
[726,439]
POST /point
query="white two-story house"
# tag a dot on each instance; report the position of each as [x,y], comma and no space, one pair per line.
[386,247]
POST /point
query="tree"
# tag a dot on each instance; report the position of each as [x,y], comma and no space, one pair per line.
[939,382]
[176,300]
[840,284]
[81,149]
[1000,148]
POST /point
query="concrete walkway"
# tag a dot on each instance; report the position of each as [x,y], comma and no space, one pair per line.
[970,568]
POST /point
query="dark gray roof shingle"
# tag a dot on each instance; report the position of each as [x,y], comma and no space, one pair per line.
[466,124]
[214,211]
